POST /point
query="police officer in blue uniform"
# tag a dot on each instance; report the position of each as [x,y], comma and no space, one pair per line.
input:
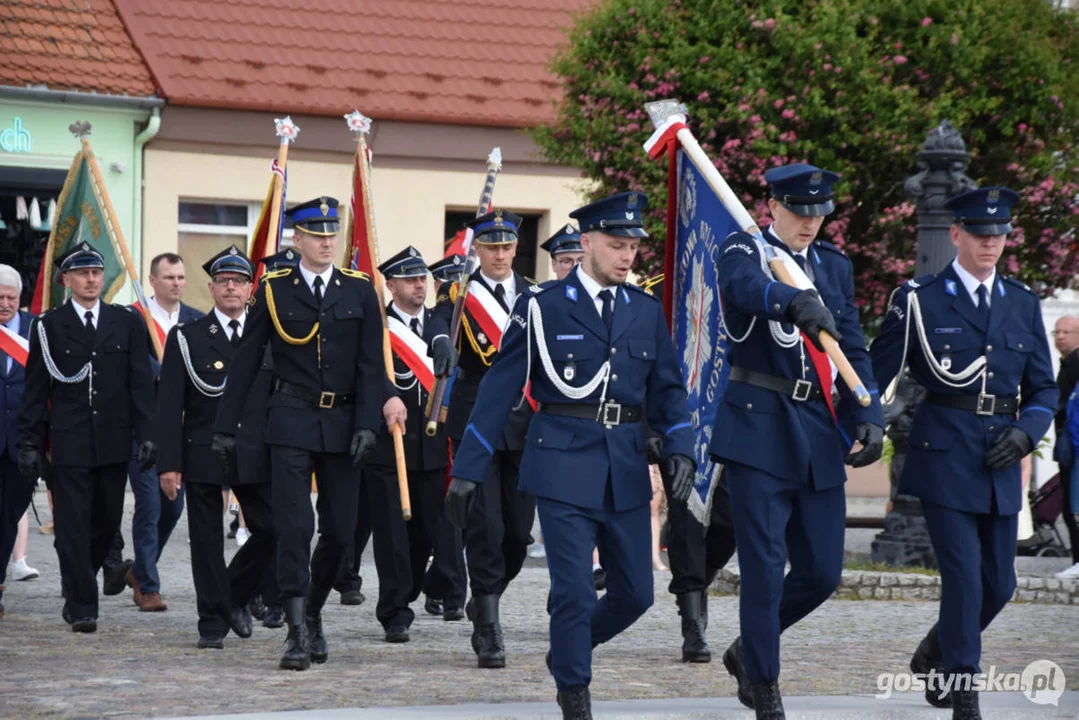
[324,328]
[565,250]
[790,501]
[595,350]
[972,338]
[499,531]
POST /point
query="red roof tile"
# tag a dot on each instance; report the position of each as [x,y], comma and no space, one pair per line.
[418,60]
[70,45]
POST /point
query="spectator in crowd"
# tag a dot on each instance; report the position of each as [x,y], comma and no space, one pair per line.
[1066,339]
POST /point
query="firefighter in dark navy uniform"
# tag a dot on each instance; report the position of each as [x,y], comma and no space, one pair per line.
[324,328]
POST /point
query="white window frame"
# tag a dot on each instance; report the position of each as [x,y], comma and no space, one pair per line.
[253,210]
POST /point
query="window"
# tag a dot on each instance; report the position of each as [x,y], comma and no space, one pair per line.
[206,228]
[527,236]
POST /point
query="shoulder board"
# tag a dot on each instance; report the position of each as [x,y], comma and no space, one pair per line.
[920,281]
[454,290]
[647,293]
[1017,283]
[649,283]
[825,245]
[349,272]
[283,272]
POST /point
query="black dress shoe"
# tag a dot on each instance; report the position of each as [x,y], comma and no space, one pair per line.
[453,614]
[767,702]
[694,645]
[240,622]
[66,615]
[320,651]
[84,625]
[599,577]
[257,608]
[397,634]
[433,606]
[926,658]
[352,597]
[575,704]
[965,705]
[487,639]
[114,579]
[298,644]
[275,617]
[211,641]
[735,662]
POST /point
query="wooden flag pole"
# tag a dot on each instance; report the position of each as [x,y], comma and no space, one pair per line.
[361,126]
[117,235]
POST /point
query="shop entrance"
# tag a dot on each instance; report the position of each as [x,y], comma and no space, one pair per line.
[27,207]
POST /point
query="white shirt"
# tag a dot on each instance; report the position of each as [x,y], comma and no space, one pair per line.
[510,284]
[95,311]
[804,252]
[593,288]
[14,325]
[224,320]
[408,318]
[971,283]
[164,318]
[309,278]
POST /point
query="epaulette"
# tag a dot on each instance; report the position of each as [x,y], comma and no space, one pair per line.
[647,293]
[349,272]
[533,287]
[921,281]
[276,273]
[1019,284]
[830,247]
[651,282]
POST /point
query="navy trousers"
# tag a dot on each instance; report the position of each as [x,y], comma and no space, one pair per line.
[976,553]
[579,621]
[152,524]
[774,519]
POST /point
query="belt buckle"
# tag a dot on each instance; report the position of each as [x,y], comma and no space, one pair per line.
[984,407]
[325,400]
[605,414]
[802,388]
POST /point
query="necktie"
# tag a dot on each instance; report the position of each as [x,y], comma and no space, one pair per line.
[318,289]
[500,293]
[983,300]
[91,331]
[414,323]
[801,262]
[608,307]
[234,339]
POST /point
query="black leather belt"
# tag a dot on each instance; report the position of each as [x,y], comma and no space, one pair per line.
[322,398]
[609,413]
[800,390]
[980,404]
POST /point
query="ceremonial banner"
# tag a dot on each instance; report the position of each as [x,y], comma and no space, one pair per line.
[701,224]
[162,336]
[261,244]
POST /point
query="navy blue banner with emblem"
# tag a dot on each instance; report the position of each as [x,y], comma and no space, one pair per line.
[700,336]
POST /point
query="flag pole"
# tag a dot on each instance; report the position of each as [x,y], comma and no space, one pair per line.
[671,115]
[116,233]
[361,126]
[287,131]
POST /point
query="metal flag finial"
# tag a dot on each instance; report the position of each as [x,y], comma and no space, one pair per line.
[358,123]
[494,160]
[80,129]
[286,129]
[662,110]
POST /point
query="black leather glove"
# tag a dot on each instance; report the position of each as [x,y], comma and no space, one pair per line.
[224,447]
[31,464]
[147,455]
[363,442]
[1010,447]
[808,313]
[682,472]
[459,499]
[443,356]
[1063,451]
[655,450]
[872,439]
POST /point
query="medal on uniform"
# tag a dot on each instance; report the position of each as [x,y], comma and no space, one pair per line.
[213,329]
[219,365]
[481,338]
[569,372]
[946,362]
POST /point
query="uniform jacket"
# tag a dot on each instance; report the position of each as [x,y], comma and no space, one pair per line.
[477,354]
[81,433]
[421,452]
[945,461]
[343,356]
[571,459]
[11,392]
[762,428]
[185,416]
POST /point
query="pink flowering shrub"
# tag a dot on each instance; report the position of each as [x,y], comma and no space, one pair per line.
[853,86]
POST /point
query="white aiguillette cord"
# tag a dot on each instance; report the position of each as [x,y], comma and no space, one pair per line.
[535,321]
[202,386]
[54,371]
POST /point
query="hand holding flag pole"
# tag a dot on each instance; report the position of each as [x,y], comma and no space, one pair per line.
[670,117]
[367,249]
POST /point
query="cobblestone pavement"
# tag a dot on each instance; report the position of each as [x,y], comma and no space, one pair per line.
[146,664]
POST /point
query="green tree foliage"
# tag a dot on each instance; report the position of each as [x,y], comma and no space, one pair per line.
[854,86]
